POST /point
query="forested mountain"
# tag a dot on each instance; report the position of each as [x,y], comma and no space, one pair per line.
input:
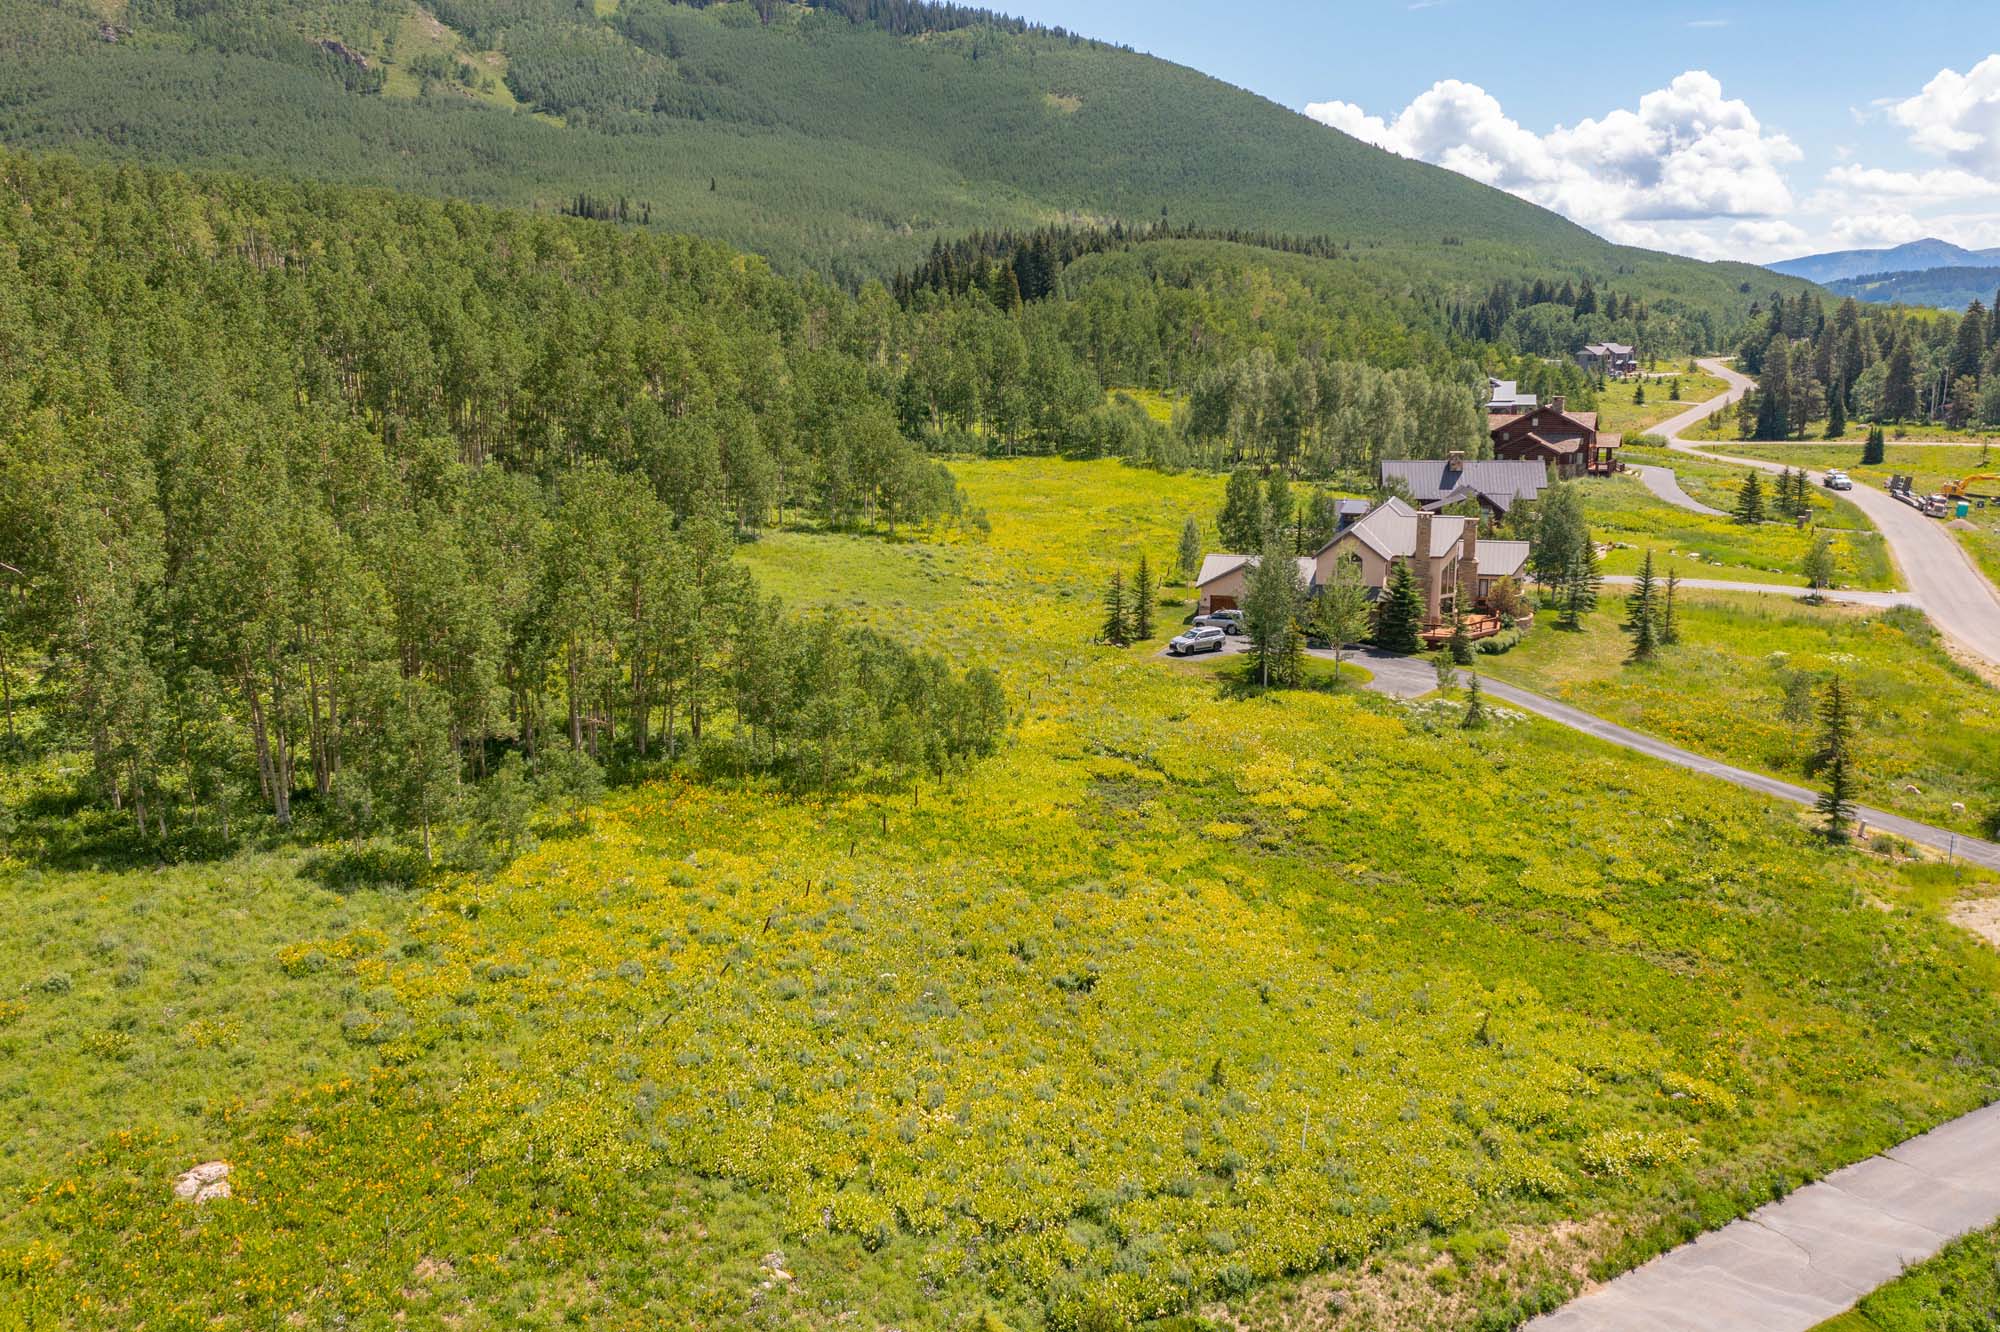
[847,136]
[1915,256]
[1952,288]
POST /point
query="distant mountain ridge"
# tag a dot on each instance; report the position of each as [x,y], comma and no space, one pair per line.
[1950,288]
[1915,257]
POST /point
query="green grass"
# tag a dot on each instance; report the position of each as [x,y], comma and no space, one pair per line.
[1157,405]
[1929,466]
[1924,721]
[1625,514]
[1956,1291]
[1194,993]
[1617,413]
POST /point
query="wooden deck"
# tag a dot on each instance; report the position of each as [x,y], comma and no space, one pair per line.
[1476,628]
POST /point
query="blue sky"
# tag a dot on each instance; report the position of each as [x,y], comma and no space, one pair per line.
[1748,131]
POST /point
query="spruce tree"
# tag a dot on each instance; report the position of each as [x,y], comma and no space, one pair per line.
[1188,557]
[1144,594]
[1834,761]
[1836,412]
[1475,704]
[1117,628]
[1750,500]
[1642,613]
[1876,450]
[1400,621]
[1580,583]
[1670,620]
[1460,645]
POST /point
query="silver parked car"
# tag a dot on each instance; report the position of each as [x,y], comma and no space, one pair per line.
[1228,621]
[1201,638]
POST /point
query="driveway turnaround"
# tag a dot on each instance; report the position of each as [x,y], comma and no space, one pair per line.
[1795,1263]
[1665,485]
[1960,602]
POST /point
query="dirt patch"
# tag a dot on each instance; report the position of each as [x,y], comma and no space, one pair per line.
[1432,1287]
[1063,103]
[1981,915]
[432,26]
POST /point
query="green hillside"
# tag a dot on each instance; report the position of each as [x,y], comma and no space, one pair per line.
[1945,288]
[812,139]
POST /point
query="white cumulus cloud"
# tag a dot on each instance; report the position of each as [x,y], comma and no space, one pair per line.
[1957,117]
[1685,153]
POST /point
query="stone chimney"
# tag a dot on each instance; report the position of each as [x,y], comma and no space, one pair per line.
[1557,403]
[1421,565]
[1468,566]
[1455,460]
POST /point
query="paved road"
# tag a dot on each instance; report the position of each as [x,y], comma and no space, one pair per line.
[1408,677]
[1854,596]
[1663,483]
[1960,602]
[1795,1263]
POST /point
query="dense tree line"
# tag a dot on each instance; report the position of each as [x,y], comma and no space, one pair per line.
[316,496]
[1869,363]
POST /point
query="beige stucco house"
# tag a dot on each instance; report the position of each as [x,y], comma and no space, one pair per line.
[1451,564]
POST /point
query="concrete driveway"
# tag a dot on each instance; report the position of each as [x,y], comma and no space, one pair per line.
[1665,485]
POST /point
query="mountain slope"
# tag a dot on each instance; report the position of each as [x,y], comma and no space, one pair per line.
[811,138]
[1946,288]
[1914,257]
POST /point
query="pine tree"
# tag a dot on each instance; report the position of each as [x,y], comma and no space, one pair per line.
[1580,584]
[1642,613]
[1144,594]
[1834,761]
[1117,629]
[1475,704]
[1876,450]
[1460,645]
[1899,390]
[1400,621]
[1187,559]
[1750,500]
[1670,620]
[1836,412]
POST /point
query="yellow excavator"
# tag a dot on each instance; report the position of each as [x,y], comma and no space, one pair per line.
[1962,488]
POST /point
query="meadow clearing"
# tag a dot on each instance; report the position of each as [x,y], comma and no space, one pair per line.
[1957,1291]
[1629,518]
[1310,1006]
[1928,466]
[1618,413]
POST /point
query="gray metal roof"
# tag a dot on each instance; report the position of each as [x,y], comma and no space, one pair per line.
[1507,480]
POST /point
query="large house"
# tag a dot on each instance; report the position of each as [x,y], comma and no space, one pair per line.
[1611,358]
[1497,483]
[1453,567]
[1504,395]
[1566,441]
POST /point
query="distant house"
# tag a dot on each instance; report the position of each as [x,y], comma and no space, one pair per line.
[1566,441]
[1610,358]
[1497,483]
[1453,567]
[1502,395]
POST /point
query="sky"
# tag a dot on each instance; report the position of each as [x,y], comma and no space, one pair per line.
[1723,131]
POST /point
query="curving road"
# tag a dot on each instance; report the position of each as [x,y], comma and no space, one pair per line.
[1960,602]
[1665,485]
